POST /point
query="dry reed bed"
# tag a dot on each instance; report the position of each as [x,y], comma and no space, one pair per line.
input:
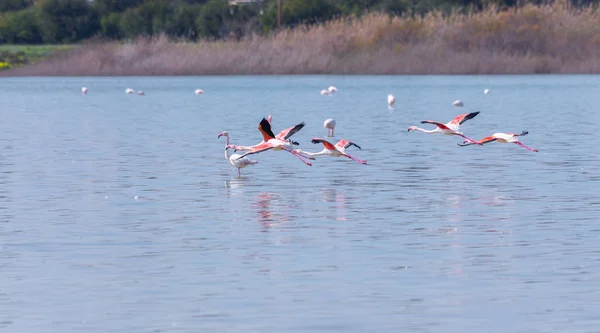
[552,38]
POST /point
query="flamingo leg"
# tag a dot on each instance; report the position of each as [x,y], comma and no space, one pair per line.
[300,153]
[356,159]
[239,173]
[524,146]
[298,156]
[469,139]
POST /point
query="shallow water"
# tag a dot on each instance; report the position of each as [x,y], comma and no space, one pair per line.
[119,212]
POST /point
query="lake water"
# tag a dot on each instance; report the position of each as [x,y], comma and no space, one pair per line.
[119,213]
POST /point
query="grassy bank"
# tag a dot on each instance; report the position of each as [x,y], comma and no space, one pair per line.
[531,39]
[15,56]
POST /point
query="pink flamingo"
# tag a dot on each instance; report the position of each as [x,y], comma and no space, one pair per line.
[337,150]
[450,128]
[83,90]
[283,135]
[502,138]
[272,142]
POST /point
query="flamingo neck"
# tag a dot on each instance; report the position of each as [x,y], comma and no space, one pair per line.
[322,152]
[227,150]
[435,130]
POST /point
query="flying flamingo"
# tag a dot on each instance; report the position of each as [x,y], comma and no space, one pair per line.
[391,100]
[235,159]
[330,125]
[271,142]
[502,138]
[337,150]
[84,91]
[450,128]
[283,135]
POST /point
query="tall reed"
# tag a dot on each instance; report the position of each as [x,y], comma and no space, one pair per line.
[552,38]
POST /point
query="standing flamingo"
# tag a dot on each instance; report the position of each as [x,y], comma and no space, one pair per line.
[458,103]
[391,100]
[502,138]
[129,91]
[337,150]
[198,92]
[330,125]
[235,159]
[83,90]
[450,128]
[272,142]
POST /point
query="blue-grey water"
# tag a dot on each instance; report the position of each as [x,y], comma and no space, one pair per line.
[119,213]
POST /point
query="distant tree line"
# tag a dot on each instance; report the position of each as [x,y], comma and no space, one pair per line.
[71,21]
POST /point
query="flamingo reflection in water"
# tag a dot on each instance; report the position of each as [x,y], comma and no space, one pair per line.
[266,215]
[338,199]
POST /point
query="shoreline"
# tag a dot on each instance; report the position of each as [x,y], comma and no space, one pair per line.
[529,40]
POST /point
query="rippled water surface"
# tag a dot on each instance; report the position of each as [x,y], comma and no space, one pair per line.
[119,213]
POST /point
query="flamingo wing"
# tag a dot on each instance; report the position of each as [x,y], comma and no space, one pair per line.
[259,148]
[523,133]
[324,142]
[440,125]
[345,144]
[485,140]
[459,120]
[265,129]
[288,132]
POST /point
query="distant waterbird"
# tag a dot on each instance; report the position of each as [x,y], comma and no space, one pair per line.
[391,100]
[486,91]
[129,91]
[198,91]
[140,93]
[329,91]
[84,91]
[458,103]
[330,125]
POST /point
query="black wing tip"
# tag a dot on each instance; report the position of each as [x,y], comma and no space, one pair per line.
[424,122]
[524,132]
[355,145]
[472,115]
[315,141]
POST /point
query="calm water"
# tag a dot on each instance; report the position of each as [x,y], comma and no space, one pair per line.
[119,212]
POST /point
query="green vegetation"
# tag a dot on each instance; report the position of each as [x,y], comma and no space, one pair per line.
[72,21]
[15,56]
